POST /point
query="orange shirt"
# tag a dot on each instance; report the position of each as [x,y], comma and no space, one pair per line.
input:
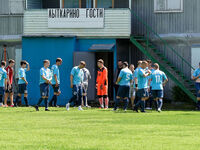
[102,76]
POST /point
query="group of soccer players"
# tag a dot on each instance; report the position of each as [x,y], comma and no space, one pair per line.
[145,84]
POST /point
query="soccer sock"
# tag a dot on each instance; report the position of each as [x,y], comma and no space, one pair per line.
[17,100]
[106,101]
[126,101]
[160,102]
[26,101]
[150,102]
[142,105]
[52,100]
[116,103]
[46,103]
[138,103]
[101,101]
[1,99]
[84,100]
[40,101]
[55,100]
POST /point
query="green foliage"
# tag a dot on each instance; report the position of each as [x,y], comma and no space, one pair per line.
[180,96]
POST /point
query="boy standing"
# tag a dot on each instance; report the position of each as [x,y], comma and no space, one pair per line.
[22,83]
[3,81]
[9,90]
[45,80]
[55,82]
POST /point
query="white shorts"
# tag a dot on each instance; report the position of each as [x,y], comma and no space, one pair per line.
[132,92]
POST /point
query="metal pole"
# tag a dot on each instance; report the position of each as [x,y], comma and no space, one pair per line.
[4,52]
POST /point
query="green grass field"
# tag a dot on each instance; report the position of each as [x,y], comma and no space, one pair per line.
[23,128]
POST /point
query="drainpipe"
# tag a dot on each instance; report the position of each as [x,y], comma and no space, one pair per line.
[4,52]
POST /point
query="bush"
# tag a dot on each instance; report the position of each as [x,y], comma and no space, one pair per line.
[180,96]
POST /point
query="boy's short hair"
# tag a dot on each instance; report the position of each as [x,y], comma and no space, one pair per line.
[101,61]
[11,61]
[45,61]
[58,59]
[83,63]
[156,65]
[125,63]
[23,62]
[139,62]
[149,61]
[3,63]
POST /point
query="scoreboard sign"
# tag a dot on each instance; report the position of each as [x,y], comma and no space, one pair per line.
[76,18]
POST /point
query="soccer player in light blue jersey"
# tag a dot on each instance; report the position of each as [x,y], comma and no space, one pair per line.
[45,81]
[55,82]
[150,100]
[22,83]
[196,77]
[158,79]
[124,81]
[132,88]
[76,80]
[143,93]
[3,81]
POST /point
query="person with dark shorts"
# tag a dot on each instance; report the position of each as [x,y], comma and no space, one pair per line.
[196,77]
[142,80]
[22,83]
[9,90]
[3,81]
[76,79]
[119,68]
[158,80]
[124,81]
[45,80]
[55,82]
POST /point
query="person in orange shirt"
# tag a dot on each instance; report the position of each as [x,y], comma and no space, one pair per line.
[102,84]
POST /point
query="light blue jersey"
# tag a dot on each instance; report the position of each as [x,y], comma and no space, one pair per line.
[21,74]
[135,74]
[3,76]
[46,72]
[142,81]
[196,73]
[126,76]
[152,70]
[78,75]
[55,71]
[157,78]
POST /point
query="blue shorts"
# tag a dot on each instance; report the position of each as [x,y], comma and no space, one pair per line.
[157,93]
[77,90]
[56,89]
[143,93]
[22,89]
[2,90]
[44,89]
[197,85]
[123,91]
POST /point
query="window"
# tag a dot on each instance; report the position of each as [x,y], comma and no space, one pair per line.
[71,3]
[104,3]
[86,3]
[168,6]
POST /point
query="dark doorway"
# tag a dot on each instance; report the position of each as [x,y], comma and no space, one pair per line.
[108,62]
[91,60]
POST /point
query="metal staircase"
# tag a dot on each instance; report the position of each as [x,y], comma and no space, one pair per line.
[147,44]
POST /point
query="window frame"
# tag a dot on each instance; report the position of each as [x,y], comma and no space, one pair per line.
[167,10]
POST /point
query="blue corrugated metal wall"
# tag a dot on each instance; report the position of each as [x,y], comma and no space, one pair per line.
[36,49]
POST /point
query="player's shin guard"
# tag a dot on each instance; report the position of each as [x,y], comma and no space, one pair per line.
[106,102]
[101,102]
[160,103]
[84,100]
[116,103]
[1,98]
[26,101]
[126,101]
[142,105]
[55,100]
[46,103]
[40,101]
[17,100]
